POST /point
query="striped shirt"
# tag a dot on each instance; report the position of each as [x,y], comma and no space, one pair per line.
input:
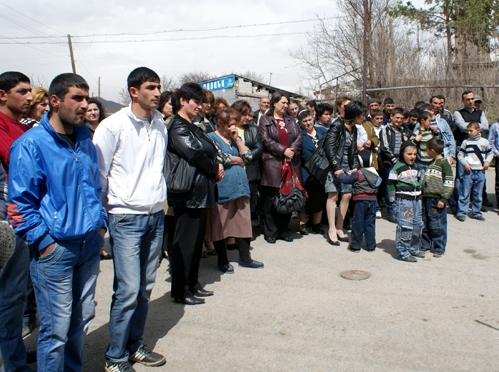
[438,181]
[421,145]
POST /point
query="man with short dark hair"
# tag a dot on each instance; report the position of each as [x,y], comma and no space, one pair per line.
[438,104]
[15,98]
[388,106]
[263,105]
[131,147]
[54,204]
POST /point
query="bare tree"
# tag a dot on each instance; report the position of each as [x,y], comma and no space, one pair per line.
[124,97]
[168,83]
[195,77]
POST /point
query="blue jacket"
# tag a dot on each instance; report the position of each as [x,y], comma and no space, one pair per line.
[54,192]
[308,148]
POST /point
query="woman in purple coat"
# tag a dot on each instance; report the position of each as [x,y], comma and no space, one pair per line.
[282,140]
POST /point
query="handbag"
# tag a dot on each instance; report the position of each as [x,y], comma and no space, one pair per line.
[291,196]
[179,174]
[318,164]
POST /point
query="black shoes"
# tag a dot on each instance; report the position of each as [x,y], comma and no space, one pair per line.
[317,229]
[343,239]
[392,219]
[286,237]
[147,357]
[203,293]
[270,239]
[461,218]
[303,229]
[438,254]
[354,250]
[252,264]
[487,203]
[191,300]
[478,218]
[118,366]
[424,249]
[328,239]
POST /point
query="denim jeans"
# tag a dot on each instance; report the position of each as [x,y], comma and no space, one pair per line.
[13,283]
[435,225]
[364,224]
[64,282]
[454,198]
[136,241]
[389,204]
[409,224]
[471,183]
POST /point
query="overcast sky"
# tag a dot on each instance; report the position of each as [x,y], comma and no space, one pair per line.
[113,61]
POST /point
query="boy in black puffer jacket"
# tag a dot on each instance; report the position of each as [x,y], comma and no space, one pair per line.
[365,185]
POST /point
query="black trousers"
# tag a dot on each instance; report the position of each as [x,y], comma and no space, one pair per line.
[497,182]
[275,224]
[190,229]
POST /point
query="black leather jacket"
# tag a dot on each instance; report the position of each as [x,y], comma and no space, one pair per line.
[254,143]
[192,144]
[335,143]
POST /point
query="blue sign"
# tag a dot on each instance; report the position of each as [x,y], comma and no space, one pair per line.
[217,84]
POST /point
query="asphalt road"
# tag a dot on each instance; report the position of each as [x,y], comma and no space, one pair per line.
[299,314]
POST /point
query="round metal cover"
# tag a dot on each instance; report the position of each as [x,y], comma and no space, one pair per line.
[355,275]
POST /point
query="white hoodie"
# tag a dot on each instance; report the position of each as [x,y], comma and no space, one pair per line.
[130,155]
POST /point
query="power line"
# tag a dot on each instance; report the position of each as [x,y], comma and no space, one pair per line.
[179,30]
[32,47]
[29,17]
[150,40]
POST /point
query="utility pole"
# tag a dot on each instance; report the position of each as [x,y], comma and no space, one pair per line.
[73,64]
[270,79]
[364,70]
[98,88]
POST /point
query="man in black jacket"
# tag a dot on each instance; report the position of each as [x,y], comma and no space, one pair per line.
[264,106]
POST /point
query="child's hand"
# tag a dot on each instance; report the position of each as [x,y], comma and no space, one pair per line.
[338,172]
[440,204]
[419,137]
[485,166]
[467,168]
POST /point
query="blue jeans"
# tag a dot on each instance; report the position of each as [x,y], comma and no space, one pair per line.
[435,225]
[13,283]
[471,183]
[64,282]
[389,204]
[409,224]
[136,241]
[364,224]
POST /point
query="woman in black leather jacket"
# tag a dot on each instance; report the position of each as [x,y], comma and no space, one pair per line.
[191,208]
[251,138]
[341,150]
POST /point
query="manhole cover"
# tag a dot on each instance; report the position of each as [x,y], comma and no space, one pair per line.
[355,275]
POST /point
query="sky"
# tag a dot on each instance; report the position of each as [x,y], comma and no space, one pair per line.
[92,24]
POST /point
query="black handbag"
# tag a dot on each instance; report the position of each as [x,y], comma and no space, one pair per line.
[292,201]
[317,164]
[179,174]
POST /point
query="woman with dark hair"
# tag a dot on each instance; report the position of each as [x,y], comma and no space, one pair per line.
[231,218]
[251,139]
[293,108]
[165,106]
[323,114]
[190,208]
[282,141]
[205,120]
[95,114]
[316,196]
[341,150]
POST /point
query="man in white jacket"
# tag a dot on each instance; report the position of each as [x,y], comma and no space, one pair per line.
[131,150]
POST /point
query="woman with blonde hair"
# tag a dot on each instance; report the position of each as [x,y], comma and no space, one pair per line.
[38,107]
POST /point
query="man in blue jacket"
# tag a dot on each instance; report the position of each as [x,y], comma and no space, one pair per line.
[55,205]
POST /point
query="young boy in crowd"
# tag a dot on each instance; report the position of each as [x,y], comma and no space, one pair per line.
[403,189]
[377,123]
[391,138]
[413,117]
[421,135]
[365,184]
[475,156]
[438,183]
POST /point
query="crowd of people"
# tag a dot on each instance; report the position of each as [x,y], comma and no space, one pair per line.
[75,174]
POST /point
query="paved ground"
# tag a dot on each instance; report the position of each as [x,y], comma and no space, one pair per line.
[298,314]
